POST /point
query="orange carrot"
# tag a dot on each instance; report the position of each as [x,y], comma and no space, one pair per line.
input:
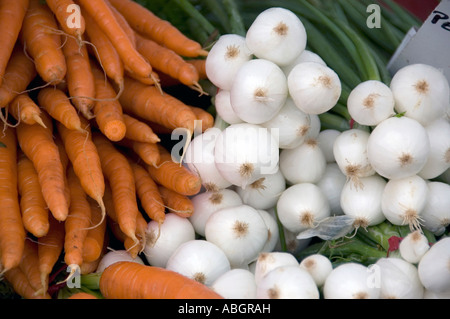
[50,247]
[85,160]
[12,13]
[104,51]
[77,223]
[147,23]
[167,61]
[79,77]
[139,131]
[82,295]
[32,203]
[108,111]
[176,202]
[30,266]
[173,176]
[148,103]
[103,15]
[204,118]
[59,107]
[200,65]
[12,234]
[38,145]
[67,15]
[123,23]
[148,282]
[20,71]
[65,164]
[148,194]
[93,243]
[147,152]
[141,234]
[39,36]
[24,109]
[21,285]
[119,174]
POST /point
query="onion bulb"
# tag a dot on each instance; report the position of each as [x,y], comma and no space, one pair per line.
[434,270]
[413,246]
[305,56]
[236,283]
[222,104]
[268,261]
[114,256]
[435,215]
[318,266]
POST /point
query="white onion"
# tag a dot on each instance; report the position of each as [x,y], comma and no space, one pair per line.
[199,158]
[199,260]
[302,206]
[276,34]
[351,281]
[350,153]
[315,127]
[287,282]
[162,240]
[399,279]
[222,104]
[267,261]
[236,283]
[398,147]
[326,139]
[225,58]
[413,246]
[293,125]
[435,215]
[371,102]
[206,203]
[315,88]
[421,91]
[114,256]
[272,230]
[239,231]
[439,157]
[305,56]
[363,203]
[331,184]
[259,91]
[305,163]
[318,266]
[264,192]
[404,199]
[434,270]
[244,152]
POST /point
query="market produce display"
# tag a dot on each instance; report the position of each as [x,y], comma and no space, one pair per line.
[205,149]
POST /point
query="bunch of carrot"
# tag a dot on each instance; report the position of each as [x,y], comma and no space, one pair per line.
[83,102]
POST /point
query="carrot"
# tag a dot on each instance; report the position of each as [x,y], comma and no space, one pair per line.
[118,172]
[123,23]
[38,145]
[59,107]
[66,14]
[30,265]
[50,247]
[77,223]
[173,176]
[12,234]
[82,295]
[105,52]
[93,243]
[176,202]
[204,118]
[200,65]
[79,77]
[108,111]
[24,109]
[168,62]
[130,280]
[42,42]
[141,229]
[148,194]
[140,131]
[12,13]
[85,160]
[103,15]
[32,203]
[154,78]
[147,152]
[21,285]
[148,103]
[20,71]
[65,164]
[147,23]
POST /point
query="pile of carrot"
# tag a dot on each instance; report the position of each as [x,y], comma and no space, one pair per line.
[83,106]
